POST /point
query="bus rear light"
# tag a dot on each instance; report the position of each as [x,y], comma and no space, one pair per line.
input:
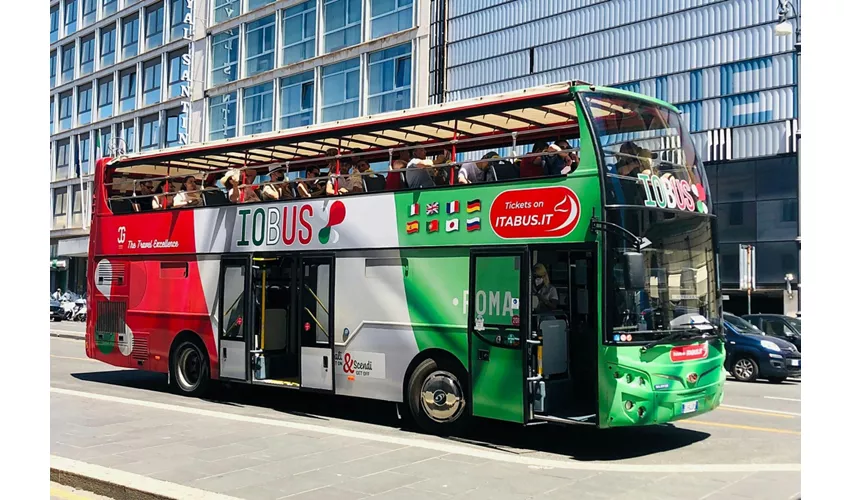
[156,357]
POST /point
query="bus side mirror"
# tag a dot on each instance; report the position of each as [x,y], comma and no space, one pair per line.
[633,271]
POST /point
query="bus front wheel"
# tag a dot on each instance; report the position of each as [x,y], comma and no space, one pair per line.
[190,371]
[437,398]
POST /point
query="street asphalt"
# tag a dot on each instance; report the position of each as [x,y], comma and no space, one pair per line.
[259,442]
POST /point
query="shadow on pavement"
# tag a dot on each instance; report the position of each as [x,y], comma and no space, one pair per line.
[578,442]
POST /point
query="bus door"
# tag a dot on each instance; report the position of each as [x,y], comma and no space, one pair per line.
[497,333]
[233,318]
[315,322]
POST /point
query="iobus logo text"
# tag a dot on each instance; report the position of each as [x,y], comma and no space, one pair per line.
[270,226]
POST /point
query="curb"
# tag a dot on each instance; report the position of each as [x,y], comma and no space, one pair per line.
[120,485]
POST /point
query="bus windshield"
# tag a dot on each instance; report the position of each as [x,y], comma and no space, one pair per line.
[648,156]
[679,270]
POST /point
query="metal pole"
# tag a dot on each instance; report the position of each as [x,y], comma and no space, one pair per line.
[799,165]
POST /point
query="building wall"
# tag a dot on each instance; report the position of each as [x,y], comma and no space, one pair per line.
[224,68]
[717,60]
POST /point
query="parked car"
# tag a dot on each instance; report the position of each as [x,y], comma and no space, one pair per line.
[777,325]
[56,312]
[752,355]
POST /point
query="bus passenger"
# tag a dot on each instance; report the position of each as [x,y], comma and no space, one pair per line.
[189,196]
[545,299]
[635,160]
[418,176]
[158,201]
[441,174]
[310,188]
[533,166]
[479,171]
[144,198]
[355,180]
[394,178]
[234,191]
[279,188]
[563,162]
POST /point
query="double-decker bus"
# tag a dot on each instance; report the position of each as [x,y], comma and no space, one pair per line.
[572,278]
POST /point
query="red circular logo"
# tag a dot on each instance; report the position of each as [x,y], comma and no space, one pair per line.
[306,327]
[548,212]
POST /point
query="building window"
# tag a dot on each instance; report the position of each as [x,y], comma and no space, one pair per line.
[222,116]
[225,9]
[52,113]
[52,68]
[105,95]
[225,56]
[105,139]
[107,46]
[174,128]
[389,79]
[259,45]
[62,148]
[256,4]
[66,101]
[54,23]
[736,214]
[89,12]
[257,108]
[128,134]
[130,37]
[789,211]
[127,91]
[296,100]
[60,208]
[110,7]
[87,55]
[154,19]
[151,82]
[176,67]
[150,132]
[84,105]
[76,206]
[342,23]
[70,16]
[83,154]
[68,63]
[341,90]
[299,32]
[391,16]
[178,19]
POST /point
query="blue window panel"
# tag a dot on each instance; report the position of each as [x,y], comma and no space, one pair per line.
[66,103]
[341,90]
[89,12]
[175,128]
[68,63]
[110,7]
[130,37]
[128,133]
[225,56]
[256,4]
[151,82]
[389,79]
[150,132]
[222,116]
[391,16]
[84,105]
[342,23]
[154,22]
[258,109]
[225,9]
[87,55]
[107,47]
[296,100]
[299,32]
[259,45]
[70,17]
[54,24]
[629,87]
[736,111]
[661,88]
[53,69]
[179,28]
[85,149]
[105,139]
[52,114]
[105,95]
[127,91]
[176,67]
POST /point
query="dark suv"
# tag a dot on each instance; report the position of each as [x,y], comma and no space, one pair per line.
[777,325]
[752,355]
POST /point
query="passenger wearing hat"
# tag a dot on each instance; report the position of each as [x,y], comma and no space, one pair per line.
[479,171]
[278,188]
[231,183]
[545,296]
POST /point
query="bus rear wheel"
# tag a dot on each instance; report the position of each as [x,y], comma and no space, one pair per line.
[436,398]
[190,369]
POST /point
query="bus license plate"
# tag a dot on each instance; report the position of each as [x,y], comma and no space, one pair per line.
[795,362]
[690,407]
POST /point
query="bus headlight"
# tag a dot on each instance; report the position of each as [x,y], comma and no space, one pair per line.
[771,346]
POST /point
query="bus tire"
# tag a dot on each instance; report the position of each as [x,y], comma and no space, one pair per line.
[190,369]
[437,398]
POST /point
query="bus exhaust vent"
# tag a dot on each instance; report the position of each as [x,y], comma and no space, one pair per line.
[111,317]
[140,347]
[110,273]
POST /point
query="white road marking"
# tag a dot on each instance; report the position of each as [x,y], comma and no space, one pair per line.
[132,481]
[763,410]
[440,446]
[783,399]
[65,339]
[72,332]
